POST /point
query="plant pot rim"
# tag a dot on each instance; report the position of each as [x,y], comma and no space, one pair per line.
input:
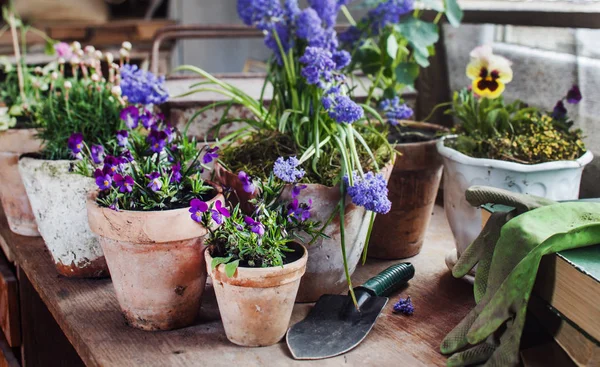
[464,159]
[422,125]
[31,156]
[145,227]
[260,277]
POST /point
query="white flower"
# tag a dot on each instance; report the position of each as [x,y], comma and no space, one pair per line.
[116,91]
[90,49]
[54,75]
[76,46]
[127,45]
[95,77]
[109,57]
[68,85]
[123,52]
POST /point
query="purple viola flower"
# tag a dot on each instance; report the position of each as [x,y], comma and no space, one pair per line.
[103,180]
[395,110]
[297,189]
[142,87]
[75,143]
[342,109]
[286,170]
[122,137]
[560,111]
[574,95]
[255,226]
[175,172]
[218,212]
[147,119]
[300,211]
[318,65]
[246,182]
[155,183]
[210,155]
[131,116]
[111,164]
[370,192]
[404,306]
[97,153]
[197,207]
[157,140]
[125,184]
[126,156]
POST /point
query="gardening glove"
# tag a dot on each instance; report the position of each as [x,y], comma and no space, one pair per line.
[481,250]
[495,326]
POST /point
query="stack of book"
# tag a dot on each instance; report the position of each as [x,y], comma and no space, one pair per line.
[566,299]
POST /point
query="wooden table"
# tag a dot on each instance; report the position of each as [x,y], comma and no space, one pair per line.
[88,314]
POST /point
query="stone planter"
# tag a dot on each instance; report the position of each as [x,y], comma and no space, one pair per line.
[58,199]
[553,180]
[256,304]
[156,263]
[15,203]
[413,187]
[325,267]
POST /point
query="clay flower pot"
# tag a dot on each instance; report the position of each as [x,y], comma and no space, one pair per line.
[325,267]
[256,304]
[58,199]
[156,263]
[15,203]
[413,187]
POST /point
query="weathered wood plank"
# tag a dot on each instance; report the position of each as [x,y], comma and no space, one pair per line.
[88,313]
[9,304]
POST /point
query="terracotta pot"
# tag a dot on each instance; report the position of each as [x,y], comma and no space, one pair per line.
[58,199]
[15,203]
[325,267]
[413,187]
[256,304]
[156,263]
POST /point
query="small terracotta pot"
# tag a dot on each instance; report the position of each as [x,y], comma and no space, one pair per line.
[15,203]
[325,268]
[413,187]
[156,263]
[58,199]
[256,304]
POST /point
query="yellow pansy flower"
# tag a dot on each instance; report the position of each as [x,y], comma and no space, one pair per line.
[490,73]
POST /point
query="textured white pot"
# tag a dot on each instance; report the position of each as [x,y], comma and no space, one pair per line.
[58,199]
[553,180]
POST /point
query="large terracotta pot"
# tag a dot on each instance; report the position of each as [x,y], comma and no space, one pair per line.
[413,187]
[15,203]
[58,199]
[256,304]
[156,263]
[325,266]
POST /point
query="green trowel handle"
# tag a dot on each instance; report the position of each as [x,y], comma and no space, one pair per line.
[389,280]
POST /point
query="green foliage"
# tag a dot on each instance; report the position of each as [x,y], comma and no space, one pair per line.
[491,128]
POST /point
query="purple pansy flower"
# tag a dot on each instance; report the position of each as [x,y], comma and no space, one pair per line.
[297,189]
[147,119]
[131,116]
[574,95]
[157,140]
[126,155]
[210,155]
[111,164]
[197,207]
[404,306]
[97,153]
[246,182]
[104,181]
[125,184]
[286,170]
[370,192]
[255,226]
[75,142]
[155,183]
[175,172]
[300,211]
[219,212]
[122,136]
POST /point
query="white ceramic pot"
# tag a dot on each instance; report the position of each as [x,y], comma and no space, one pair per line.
[58,199]
[553,180]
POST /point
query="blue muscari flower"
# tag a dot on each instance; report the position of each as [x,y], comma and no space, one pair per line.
[309,25]
[286,170]
[291,9]
[404,306]
[259,12]
[340,107]
[284,37]
[319,65]
[389,12]
[395,111]
[326,40]
[341,59]
[327,10]
[143,87]
[370,192]
[351,36]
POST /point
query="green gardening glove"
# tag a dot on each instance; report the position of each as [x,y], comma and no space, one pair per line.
[495,326]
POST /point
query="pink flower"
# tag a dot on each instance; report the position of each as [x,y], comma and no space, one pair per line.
[63,50]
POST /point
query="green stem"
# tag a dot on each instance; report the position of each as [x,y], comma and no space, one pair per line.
[371,221]
[438,17]
[437,108]
[348,16]
[374,86]
[343,244]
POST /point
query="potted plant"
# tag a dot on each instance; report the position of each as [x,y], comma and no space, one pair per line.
[511,146]
[81,103]
[19,93]
[141,213]
[390,45]
[255,260]
[312,117]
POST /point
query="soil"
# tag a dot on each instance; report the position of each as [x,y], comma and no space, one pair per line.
[410,134]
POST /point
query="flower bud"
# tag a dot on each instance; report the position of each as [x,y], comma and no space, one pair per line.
[76,46]
[89,49]
[115,66]
[75,60]
[109,57]
[54,75]
[68,85]
[95,78]
[123,52]
[116,91]
[127,45]
[98,54]
[36,83]
[61,60]
[38,70]
[80,53]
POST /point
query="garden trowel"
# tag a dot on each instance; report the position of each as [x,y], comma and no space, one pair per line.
[334,326]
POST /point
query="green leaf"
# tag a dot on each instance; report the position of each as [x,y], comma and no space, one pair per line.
[436,5]
[392,46]
[49,48]
[370,60]
[407,72]
[418,32]
[453,12]
[218,261]
[231,267]
[421,55]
